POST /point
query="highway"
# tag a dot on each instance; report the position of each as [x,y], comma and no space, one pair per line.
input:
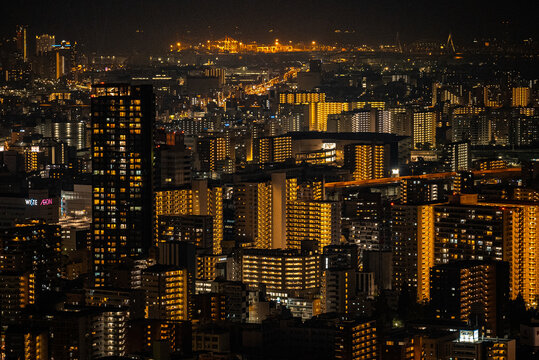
[391,180]
[262,88]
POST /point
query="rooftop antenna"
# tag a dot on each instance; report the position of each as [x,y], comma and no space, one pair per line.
[449,45]
[398,41]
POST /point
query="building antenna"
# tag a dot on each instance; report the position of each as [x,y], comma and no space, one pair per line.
[398,41]
[449,44]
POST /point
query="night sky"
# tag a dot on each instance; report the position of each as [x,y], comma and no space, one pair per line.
[111,25]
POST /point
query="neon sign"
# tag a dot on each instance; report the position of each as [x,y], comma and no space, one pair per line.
[35,202]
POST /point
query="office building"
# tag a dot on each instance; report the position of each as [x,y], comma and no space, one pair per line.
[64,58]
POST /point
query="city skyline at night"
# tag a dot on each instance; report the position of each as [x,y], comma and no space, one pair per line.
[225,180]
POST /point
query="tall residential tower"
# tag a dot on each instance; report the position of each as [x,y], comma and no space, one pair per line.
[122,123]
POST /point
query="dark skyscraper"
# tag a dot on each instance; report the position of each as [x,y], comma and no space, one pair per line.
[122,123]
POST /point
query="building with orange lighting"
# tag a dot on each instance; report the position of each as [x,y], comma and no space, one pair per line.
[424,130]
[356,340]
[167,293]
[314,220]
[472,291]
[122,125]
[465,229]
[521,97]
[367,161]
[282,272]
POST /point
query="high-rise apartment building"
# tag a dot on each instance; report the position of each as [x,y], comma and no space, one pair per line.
[313,220]
[338,288]
[108,332]
[174,167]
[492,96]
[31,249]
[261,211]
[212,152]
[356,340]
[281,271]
[521,96]
[424,130]
[464,229]
[469,345]
[167,292]
[470,123]
[419,191]
[195,229]
[197,199]
[463,183]
[275,149]
[44,43]
[363,121]
[475,291]
[296,98]
[460,156]
[122,119]
[413,231]
[384,121]
[16,294]
[317,113]
[253,213]
[367,161]
[401,121]
[22,43]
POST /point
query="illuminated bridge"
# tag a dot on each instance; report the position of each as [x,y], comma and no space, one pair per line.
[392,180]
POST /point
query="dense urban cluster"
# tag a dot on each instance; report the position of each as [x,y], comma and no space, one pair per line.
[247,201]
